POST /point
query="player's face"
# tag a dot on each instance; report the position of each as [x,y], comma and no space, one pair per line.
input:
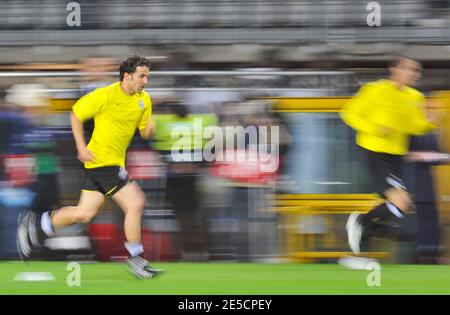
[138,79]
[408,72]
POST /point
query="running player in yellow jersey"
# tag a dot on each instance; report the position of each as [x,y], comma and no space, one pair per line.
[385,114]
[118,110]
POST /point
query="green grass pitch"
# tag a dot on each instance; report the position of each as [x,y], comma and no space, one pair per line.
[228,279]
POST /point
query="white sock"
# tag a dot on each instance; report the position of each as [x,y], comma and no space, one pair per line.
[394,210]
[134,249]
[46,224]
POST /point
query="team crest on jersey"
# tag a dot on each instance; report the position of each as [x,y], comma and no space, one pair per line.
[141,104]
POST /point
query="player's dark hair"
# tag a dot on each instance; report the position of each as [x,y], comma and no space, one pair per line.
[130,64]
[395,62]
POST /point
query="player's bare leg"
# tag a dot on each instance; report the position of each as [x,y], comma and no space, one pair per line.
[34,228]
[87,208]
[132,200]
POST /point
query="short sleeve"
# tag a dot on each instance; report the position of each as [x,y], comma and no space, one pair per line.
[355,112]
[89,105]
[146,116]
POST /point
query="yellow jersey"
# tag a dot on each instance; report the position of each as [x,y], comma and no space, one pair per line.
[116,117]
[385,116]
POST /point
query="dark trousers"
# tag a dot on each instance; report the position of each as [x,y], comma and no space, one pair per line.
[183,196]
[428,231]
[47,192]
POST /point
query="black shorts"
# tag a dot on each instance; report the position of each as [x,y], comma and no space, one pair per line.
[385,171]
[108,179]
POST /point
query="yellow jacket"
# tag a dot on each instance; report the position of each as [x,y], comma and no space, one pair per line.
[384,116]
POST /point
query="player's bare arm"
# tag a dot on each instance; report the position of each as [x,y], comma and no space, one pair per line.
[149,130]
[84,154]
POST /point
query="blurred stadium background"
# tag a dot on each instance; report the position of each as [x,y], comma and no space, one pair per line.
[290,64]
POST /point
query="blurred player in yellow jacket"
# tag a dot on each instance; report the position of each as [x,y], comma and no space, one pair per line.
[384,115]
